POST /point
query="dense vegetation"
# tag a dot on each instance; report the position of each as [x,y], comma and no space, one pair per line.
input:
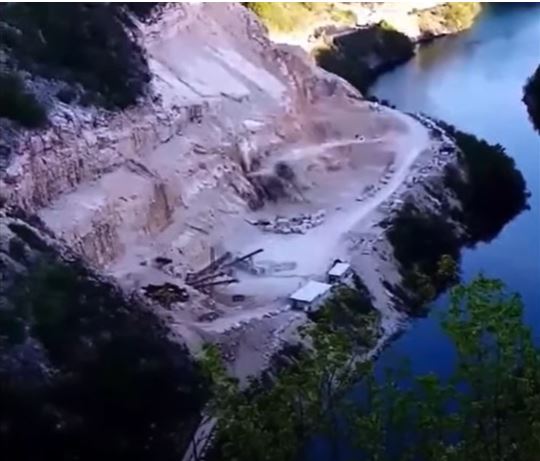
[488,410]
[493,190]
[363,54]
[531,98]
[287,16]
[90,46]
[18,104]
[97,379]
[350,312]
[428,251]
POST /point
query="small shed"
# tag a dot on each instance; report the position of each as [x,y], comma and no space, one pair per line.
[309,297]
[339,272]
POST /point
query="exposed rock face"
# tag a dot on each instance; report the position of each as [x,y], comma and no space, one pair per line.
[223,96]
[162,178]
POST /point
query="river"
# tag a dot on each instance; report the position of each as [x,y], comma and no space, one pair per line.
[474,80]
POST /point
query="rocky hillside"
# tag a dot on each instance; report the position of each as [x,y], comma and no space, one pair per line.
[89,366]
[84,369]
[146,193]
[174,191]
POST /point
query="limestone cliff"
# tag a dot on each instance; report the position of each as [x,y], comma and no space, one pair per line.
[235,133]
[243,172]
[220,97]
[164,178]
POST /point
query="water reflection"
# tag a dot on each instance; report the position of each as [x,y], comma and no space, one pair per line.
[475,81]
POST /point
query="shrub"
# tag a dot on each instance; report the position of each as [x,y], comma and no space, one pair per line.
[422,240]
[361,55]
[17,104]
[493,191]
[67,95]
[531,98]
[386,25]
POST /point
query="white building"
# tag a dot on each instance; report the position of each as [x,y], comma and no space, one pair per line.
[339,272]
[310,297]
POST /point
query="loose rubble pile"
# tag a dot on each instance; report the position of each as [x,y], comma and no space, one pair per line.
[166,294]
[296,225]
[370,190]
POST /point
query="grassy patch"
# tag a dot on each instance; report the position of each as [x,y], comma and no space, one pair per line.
[453,17]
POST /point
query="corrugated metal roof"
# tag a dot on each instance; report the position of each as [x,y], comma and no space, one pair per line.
[310,291]
[339,269]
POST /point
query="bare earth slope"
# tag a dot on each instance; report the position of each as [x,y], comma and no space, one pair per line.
[197,163]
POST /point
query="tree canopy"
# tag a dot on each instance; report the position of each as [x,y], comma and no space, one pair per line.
[531,97]
[98,376]
[488,410]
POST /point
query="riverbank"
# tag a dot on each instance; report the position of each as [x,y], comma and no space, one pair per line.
[448,80]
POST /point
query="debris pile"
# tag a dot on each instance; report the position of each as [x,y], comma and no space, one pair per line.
[166,294]
[219,271]
[296,225]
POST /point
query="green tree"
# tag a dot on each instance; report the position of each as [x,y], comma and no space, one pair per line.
[531,98]
[489,410]
[273,418]
[447,270]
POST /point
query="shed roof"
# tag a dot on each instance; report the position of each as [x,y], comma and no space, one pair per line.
[339,269]
[310,291]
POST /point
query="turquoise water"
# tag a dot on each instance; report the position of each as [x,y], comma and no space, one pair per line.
[475,82]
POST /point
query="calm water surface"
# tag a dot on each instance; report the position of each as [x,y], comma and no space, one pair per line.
[475,82]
